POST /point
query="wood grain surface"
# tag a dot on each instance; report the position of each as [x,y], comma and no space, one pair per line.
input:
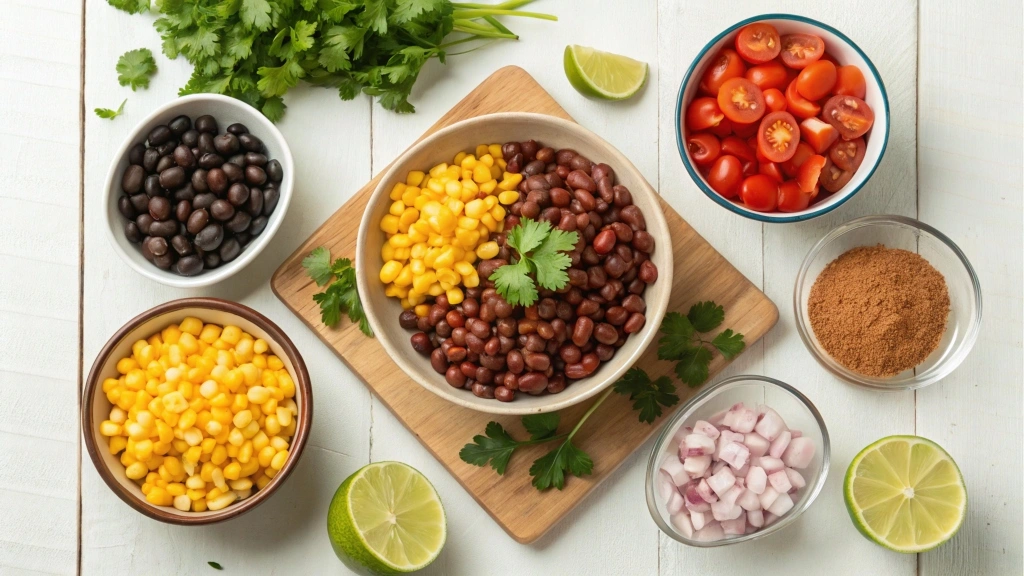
[701,273]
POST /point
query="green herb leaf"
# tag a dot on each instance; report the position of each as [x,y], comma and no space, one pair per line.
[541,426]
[648,397]
[215,565]
[514,284]
[130,6]
[541,252]
[528,235]
[692,367]
[706,316]
[255,14]
[495,448]
[134,68]
[341,296]
[550,470]
[110,114]
[729,343]
[677,336]
[318,266]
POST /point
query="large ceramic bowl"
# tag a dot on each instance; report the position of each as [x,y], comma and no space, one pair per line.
[845,52]
[227,111]
[382,311]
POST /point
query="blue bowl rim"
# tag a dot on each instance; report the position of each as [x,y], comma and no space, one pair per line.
[716,196]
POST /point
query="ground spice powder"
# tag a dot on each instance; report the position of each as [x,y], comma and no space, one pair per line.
[879,311]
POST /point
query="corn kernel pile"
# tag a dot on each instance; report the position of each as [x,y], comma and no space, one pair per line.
[202,415]
[440,223]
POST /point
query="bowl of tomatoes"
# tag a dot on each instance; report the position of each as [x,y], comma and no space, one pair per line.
[781,118]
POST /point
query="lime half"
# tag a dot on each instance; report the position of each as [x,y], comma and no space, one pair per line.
[387,518]
[905,493]
[602,74]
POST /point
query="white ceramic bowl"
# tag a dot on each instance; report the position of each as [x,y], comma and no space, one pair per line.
[227,111]
[382,311]
[845,51]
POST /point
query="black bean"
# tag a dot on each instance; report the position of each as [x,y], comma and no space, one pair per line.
[254,206]
[182,210]
[152,186]
[189,265]
[165,162]
[180,125]
[243,238]
[131,180]
[205,143]
[217,180]
[222,210]
[199,180]
[206,123]
[181,245]
[136,154]
[255,159]
[144,221]
[150,159]
[210,237]
[210,160]
[229,250]
[132,232]
[233,172]
[238,194]
[183,156]
[190,138]
[226,144]
[124,206]
[274,171]
[164,262]
[257,226]
[203,200]
[239,222]
[156,245]
[238,160]
[159,208]
[164,229]
[255,176]
[159,135]
[211,260]
[251,143]
[172,178]
[270,197]
[237,129]
[186,192]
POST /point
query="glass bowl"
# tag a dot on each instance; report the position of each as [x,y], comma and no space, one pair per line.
[964,320]
[799,414]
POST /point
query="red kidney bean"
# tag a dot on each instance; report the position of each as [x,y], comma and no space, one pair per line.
[507,344]
[421,343]
[602,170]
[586,199]
[559,197]
[506,327]
[529,210]
[492,346]
[503,394]
[616,315]
[455,319]
[604,352]
[539,197]
[648,272]
[615,266]
[536,361]
[606,191]
[575,371]
[582,330]
[570,353]
[455,377]
[459,336]
[468,369]
[636,286]
[556,384]
[634,303]
[484,375]
[590,362]
[435,315]
[596,278]
[470,307]
[551,215]
[475,343]
[438,361]
[487,313]
[623,197]
[587,307]
[623,233]
[535,167]
[529,149]
[502,309]
[515,164]
[564,156]
[510,149]
[515,361]
[456,353]
[558,326]
[580,179]
[546,155]
[605,333]
[554,179]
[443,329]
[635,323]
[533,382]
[582,163]
[537,182]
[545,330]
[483,391]
[534,343]
[634,217]
[562,171]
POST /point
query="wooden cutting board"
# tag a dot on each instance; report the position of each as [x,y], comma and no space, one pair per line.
[701,273]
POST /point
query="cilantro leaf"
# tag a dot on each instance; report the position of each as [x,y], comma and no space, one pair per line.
[513,282]
[330,305]
[692,367]
[677,336]
[550,470]
[495,448]
[255,14]
[276,80]
[648,397]
[408,10]
[134,68]
[273,108]
[318,265]
[541,426]
[342,295]
[729,343]
[706,316]
[528,235]
[541,251]
[374,16]
[110,114]
[130,6]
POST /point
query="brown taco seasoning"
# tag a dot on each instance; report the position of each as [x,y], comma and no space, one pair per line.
[879,311]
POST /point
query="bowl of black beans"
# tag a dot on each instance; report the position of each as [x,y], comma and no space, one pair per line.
[197,190]
[448,316]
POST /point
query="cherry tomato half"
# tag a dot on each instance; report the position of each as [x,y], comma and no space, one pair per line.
[735,146]
[778,136]
[722,129]
[758,42]
[816,80]
[704,148]
[727,64]
[799,50]
[741,100]
[820,135]
[847,154]
[850,82]
[768,75]
[760,192]
[703,113]
[833,178]
[725,176]
[774,100]
[798,105]
[808,175]
[849,114]
[792,166]
[771,169]
[791,198]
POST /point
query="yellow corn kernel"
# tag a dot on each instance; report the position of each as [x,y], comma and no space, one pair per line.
[185,421]
[400,241]
[232,470]
[272,425]
[390,271]
[126,365]
[489,186]
[219,455]
[108,428]
[498,213]
[389,224]
[455,296]
[258,394]
[417,266]
[487,159]
[279,459]
[420,285]
[208,445]
[176,489]
[447,276]
[487,250]
[191,325]
[481,173]
[489,222]
[222,501]
[422,310]
[117,443]
[137,471]
[240,484]
[397,190]
[414,178]
[245,452]
[266,455]
[475,209]
[472,280]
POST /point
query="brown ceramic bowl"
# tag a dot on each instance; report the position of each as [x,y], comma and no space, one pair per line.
[96,407]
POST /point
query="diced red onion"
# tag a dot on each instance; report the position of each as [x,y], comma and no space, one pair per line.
[697,445]
[749,501]
[710,532]
[780,481]
[665,485]
[781,505]
[769,518]
[735,454]
[695,466]
[770,464]
[768,497]
[674,503]
[756,443]
[681,521]
[796,479]
[757,479]
[733,527]
[799,453]
[702,507]
[698,519]
[718,466]
[674,468]
[706,428]
[725,511]
[733,494]
[722,481]
[755,518]
[770,425]
[744,420]
[705,491]
[779,445]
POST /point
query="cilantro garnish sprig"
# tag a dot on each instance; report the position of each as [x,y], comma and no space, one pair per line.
[542,261]
[134,68]
[681,341]
[109,114]
[341,295]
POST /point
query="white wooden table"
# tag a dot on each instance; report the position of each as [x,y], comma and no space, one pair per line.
[953,70]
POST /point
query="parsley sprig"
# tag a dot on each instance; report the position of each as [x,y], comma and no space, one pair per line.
[541,249]
[109,114]
[134,68]
[257,50]
[682,341]
[341,296]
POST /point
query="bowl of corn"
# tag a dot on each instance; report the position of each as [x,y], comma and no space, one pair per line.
[432,218]
[196,411]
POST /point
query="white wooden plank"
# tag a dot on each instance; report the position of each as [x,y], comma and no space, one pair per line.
[824,540]
[611,533]
[970,187]
[330,144]
[39,97]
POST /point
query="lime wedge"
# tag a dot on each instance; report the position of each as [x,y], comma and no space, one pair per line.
[905,493]
[602,74]
[387,519]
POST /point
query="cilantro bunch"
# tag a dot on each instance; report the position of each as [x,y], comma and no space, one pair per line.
[341,295]
[682,341]
[541,250]
[256,50]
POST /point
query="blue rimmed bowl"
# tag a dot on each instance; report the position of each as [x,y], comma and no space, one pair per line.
[845,52]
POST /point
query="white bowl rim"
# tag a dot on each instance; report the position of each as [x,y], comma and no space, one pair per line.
[769,216]
[248,254]
[787,519]
[562,400]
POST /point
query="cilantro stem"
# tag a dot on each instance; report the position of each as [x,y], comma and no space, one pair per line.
[544,440]
[509,5]
[481,31]
[590,411]
[480,13]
